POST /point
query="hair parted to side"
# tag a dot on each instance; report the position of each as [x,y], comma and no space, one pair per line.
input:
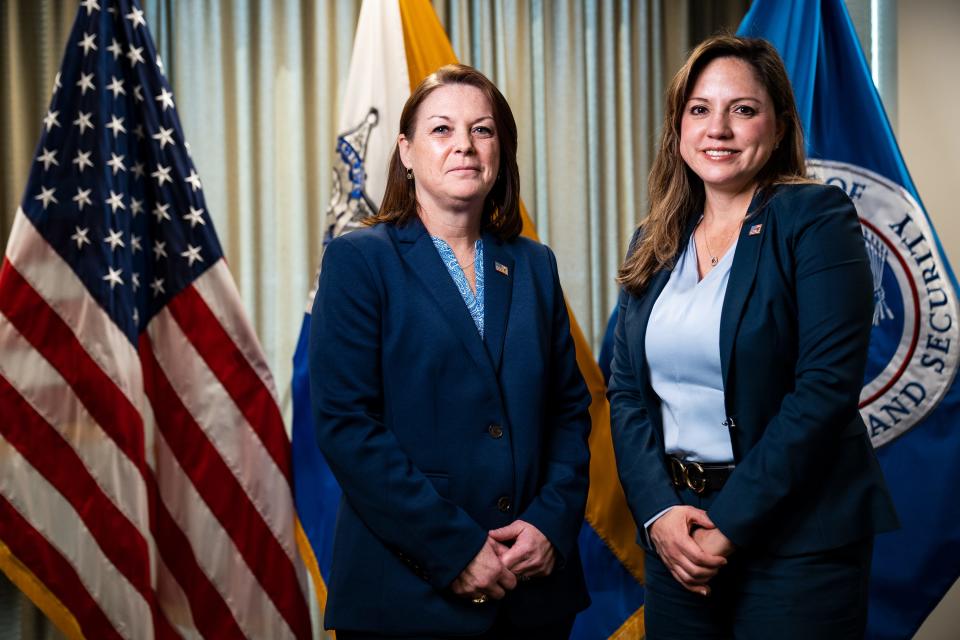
[501,210]
[675,192]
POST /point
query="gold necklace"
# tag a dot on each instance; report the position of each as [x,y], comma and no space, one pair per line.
[706,243]
[464,267]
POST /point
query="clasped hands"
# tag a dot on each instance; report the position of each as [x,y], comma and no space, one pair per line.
[518,551]
[691,546]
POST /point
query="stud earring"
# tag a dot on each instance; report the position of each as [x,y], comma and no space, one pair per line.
[409,174]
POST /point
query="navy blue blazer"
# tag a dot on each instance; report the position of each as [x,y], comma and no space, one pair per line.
[437,436]
[794,332]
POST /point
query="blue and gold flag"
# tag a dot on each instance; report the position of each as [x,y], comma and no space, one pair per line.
[909,400]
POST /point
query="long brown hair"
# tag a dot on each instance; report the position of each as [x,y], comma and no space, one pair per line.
[675,192]
[501,209]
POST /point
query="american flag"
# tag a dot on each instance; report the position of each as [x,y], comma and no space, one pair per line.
[144,465]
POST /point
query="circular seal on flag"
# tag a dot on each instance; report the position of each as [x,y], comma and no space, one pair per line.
[915,341]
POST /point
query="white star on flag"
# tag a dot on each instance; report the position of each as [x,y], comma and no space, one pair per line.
[115,201]
[134,55]
[85,82]
[157,286]
[162,173]
[116,125]
[137,169]
[165,136]
[83,121]
[116,163]
[138,93]
[135,243]
[195,217]
[82,198]
[80,237]
[192,254]
[56,82]
[159,250]
[50,120]
[136,206]
[46,195]
[114,240]
[115,49]
[136,17]
[87,43]
[165,98]
[194,180]
[113,277]
[160,211]
[135,279]
[89,5]
[82,159]
[48,157]
[116,86]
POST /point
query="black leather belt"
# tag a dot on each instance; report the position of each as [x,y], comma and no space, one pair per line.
[699,477]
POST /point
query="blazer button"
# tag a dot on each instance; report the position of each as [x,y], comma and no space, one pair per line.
[495,431]
[504,504]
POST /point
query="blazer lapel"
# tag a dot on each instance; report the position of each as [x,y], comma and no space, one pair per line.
[498,275]
[419,253]
[743,271]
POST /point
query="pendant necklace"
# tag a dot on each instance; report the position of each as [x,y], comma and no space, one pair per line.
[714,259]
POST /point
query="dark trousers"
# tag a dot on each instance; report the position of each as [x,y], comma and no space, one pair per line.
[502,629]
[819,595]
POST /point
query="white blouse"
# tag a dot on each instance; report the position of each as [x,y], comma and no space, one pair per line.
[683,353]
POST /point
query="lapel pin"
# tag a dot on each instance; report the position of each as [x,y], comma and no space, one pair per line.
[501,268]
[755,230]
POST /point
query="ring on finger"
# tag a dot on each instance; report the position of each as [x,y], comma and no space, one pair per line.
[480,599]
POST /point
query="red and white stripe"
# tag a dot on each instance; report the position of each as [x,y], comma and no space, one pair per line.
[147,487]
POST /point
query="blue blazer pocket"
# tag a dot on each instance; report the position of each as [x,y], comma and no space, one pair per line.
[440,482]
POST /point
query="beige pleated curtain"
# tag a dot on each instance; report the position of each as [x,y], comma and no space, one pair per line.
[257,85]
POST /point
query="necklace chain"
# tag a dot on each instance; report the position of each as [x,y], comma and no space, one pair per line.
[464,267]
[714,259]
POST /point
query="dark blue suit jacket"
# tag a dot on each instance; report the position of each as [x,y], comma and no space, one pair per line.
[794,332]
[437,436]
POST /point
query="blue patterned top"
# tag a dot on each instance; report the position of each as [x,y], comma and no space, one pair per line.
[473,301]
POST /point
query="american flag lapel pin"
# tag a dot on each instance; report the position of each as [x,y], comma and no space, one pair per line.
[755,230]
[501,268]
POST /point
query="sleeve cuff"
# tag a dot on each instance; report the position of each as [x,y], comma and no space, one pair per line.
[646,526]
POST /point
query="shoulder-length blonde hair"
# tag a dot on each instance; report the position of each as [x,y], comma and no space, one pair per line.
[675,192]
[501,209]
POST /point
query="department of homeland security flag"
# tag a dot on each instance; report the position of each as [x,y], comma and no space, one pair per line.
[910,401]
[145,474]
[398,43]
